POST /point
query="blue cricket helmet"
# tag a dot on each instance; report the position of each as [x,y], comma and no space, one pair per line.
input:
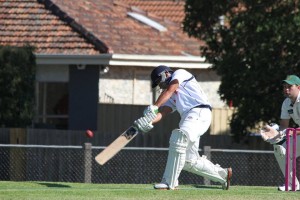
[156,74]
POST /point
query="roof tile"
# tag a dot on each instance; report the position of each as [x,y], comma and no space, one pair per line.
[27,21]
[91,27]
[111,24]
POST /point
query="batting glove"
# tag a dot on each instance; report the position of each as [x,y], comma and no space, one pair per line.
[150,112]
[143,125]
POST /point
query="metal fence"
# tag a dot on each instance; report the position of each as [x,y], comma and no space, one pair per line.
[132,165]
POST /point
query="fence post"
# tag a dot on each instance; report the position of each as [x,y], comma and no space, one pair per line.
[207,153]
[87,162]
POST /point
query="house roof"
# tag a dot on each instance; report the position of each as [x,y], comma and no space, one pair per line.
[90,27]
[108,20]
[29,22]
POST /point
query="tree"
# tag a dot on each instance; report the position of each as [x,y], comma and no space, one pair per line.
[17,77]
[253,51]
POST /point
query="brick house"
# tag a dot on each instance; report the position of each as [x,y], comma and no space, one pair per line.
[100,51]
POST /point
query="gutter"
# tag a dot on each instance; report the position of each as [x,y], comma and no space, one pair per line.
[188,62]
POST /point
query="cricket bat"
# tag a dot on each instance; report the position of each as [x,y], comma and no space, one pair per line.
[116,146]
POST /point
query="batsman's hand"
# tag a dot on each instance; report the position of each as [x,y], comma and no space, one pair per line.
[150,112]
[143,125]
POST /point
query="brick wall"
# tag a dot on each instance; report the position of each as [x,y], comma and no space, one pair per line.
[131,85]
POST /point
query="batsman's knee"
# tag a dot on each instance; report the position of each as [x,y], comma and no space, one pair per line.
[178,141]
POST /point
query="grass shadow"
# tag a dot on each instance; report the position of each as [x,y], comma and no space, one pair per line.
[207,186]
[54,185]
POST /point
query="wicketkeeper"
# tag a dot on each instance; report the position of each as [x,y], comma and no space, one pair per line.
[182,93]
[275,134]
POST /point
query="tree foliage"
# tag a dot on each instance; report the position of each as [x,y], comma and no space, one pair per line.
[17,77]
[255,50]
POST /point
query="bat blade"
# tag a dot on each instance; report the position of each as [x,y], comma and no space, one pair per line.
[116,146]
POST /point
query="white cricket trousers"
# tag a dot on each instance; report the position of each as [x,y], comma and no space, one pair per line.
[195,123]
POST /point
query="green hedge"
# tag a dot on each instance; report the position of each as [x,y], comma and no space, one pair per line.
[17,78]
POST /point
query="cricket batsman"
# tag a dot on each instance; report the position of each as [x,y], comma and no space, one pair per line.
[182,93]
[276,135]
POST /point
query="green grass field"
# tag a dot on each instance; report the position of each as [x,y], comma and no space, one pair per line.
[75,191]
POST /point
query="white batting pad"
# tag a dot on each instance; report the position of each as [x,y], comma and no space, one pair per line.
[206,168]
[176,157]
[279,153]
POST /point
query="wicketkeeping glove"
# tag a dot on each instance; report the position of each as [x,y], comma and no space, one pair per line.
[272,134]
[143,125]
[150,112]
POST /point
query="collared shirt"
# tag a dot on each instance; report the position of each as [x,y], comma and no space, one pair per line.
[189,93]
[290,110]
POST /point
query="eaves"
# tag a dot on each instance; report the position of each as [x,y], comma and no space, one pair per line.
[187,62]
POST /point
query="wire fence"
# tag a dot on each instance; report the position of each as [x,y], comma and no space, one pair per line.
[131,165]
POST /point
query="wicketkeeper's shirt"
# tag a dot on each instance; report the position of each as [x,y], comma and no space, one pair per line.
[290,110]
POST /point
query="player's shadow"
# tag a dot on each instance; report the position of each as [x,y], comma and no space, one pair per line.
[207,187]
[57,185]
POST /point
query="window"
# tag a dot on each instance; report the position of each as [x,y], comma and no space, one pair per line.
[52,105]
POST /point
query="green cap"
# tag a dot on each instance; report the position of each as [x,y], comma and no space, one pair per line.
[292,80]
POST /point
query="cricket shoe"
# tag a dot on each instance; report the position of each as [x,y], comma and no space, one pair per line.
[164,186]
[282,188]
[225,186]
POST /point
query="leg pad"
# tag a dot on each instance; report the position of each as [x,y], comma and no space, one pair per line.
[176,157]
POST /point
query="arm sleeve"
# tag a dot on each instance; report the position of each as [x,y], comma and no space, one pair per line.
[180,75]
[284,109]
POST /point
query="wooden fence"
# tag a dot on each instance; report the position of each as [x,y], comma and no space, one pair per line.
[113,119]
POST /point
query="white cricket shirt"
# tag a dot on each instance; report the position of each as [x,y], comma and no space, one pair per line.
[188,95]
[290,110]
